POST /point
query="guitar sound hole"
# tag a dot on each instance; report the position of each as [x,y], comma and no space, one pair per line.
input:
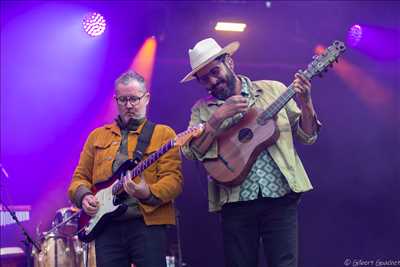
[245,135]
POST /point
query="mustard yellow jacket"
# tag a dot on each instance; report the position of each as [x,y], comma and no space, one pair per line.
[164,176]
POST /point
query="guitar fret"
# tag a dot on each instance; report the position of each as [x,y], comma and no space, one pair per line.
[278,104]
[144,165]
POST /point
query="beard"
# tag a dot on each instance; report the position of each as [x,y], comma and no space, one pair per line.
[228,90]
[127,115]
[136,116]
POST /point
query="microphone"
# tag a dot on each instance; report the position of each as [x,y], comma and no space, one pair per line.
[3,171]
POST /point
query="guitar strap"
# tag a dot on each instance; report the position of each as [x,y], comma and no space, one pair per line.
[143,141]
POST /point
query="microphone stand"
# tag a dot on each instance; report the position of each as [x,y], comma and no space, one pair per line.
[28,240]
[178,234]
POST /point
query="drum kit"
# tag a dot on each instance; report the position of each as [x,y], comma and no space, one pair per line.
[60,245]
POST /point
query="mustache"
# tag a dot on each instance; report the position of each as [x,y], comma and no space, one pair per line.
[216,85]
[130,111]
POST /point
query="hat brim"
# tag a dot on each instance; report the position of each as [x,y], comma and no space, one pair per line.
[229,49]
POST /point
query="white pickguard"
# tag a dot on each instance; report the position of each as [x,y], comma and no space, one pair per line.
[105,198]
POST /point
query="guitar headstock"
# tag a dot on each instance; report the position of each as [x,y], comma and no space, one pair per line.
[326,59]
[185,136]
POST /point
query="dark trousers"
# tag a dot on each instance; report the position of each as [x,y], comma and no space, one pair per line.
[131,241]
[274,221]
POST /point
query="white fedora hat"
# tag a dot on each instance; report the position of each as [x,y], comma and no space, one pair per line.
[206,51]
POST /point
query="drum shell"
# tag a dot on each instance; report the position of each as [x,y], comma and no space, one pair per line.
[56,251]
[91,254]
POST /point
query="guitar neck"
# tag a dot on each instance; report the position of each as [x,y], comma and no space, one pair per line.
[278,104]
[118,187]
[152,158]
[281,101]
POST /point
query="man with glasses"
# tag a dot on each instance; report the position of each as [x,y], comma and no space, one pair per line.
[138,236]
[263,207]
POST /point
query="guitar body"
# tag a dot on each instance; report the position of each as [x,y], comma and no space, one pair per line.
[239,147]
[109,207]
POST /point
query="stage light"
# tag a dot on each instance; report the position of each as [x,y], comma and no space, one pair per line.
[94,24]
[380,43]
[230,26]
[369,90]
[354,35]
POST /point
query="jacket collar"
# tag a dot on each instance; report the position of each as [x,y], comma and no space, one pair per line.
[113,127]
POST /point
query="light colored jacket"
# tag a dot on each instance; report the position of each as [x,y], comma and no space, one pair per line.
[262,93]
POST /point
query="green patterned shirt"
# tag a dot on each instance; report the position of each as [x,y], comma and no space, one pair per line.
[265,178]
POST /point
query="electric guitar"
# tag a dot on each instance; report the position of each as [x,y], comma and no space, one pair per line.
[240,145]
[108,192]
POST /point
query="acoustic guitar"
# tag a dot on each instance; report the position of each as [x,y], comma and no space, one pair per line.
[240,145]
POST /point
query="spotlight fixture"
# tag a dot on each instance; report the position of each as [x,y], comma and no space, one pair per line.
[354,35]
[230,26]
[94,24]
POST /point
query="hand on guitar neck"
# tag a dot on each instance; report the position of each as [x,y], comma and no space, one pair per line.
[233,105]
[302,86]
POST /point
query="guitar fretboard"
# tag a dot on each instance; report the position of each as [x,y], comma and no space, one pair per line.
[118,187]
[280,102]
[277,105]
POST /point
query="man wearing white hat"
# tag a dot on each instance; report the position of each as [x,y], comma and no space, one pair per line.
[264,206]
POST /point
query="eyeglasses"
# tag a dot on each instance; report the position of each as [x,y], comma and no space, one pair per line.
[134,100]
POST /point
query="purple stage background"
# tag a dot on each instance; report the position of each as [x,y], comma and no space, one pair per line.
[57,84]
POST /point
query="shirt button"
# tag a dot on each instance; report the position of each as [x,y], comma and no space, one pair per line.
[295,186]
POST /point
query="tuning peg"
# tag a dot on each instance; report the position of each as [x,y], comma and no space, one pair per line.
[315,57]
